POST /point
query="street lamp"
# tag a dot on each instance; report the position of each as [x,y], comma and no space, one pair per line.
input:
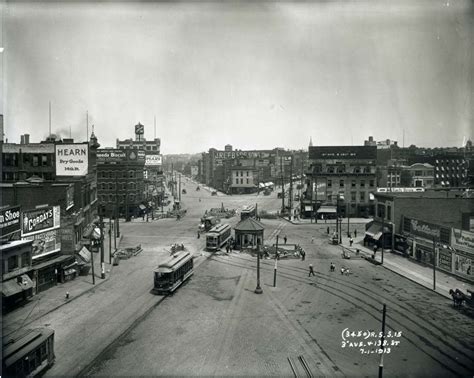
[258,289]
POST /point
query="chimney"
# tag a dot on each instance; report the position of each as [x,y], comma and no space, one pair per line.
[27,138]
[22,139]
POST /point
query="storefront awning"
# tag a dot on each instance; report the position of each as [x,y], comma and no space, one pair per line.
[57,260]
[261,185]
[16,285]
[327,210]
[308,208]
[371,197]
[377,236]
[373,230]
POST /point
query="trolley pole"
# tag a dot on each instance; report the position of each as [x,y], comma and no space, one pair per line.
[382,341]
[276,260]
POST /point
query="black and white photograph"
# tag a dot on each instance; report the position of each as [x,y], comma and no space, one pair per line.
[267,188]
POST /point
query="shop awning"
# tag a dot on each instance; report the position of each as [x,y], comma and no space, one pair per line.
[16,285]
[56,260]
[373,230]
[142,207]
[371,197]
[261,185]
[377,236]
[308,208]
[327,209]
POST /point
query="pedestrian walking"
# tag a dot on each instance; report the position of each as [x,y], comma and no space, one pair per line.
[311,270]
[351,241]
[285,239]
[332,267]
[227,247]
[303,255]
[327,230]
[355,233]
[199,234]
[312,239]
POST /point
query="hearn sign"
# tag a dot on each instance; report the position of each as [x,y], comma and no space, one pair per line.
[9,220]
[72,159]
[40,220]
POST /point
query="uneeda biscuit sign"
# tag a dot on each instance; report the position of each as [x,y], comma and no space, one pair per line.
[72,159]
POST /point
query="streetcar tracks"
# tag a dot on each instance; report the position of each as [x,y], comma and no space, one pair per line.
[435,332]
[303,364]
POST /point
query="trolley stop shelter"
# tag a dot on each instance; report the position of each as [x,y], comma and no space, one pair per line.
[249,234]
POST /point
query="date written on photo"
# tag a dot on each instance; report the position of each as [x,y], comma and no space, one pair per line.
[369,342]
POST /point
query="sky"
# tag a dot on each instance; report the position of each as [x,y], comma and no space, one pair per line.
[253,74]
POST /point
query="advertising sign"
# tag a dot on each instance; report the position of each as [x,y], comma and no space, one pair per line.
[153,160]
[321,190]
[40,220]
[69,197]
[239,154]
[45,243]
[343,152]
[400,190]
[463,240]
[108,155]
[72,159]
[9,220]
[139,129]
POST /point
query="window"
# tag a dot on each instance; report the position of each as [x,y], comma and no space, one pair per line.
[341,169]
[247,180]
[236,180]
[330,169]
[389,212]
[353,196]
[35,161]
[131,185]
[111,186]
[329,197]
[367,170]
[329,183]
[418,173]
[44,160]
[357,170]
[131,174]
[247,175]
[241,180]
[12,263]
[371,183]
[341,183]
[362,183]
[362,196]
[25,259]
[353,183]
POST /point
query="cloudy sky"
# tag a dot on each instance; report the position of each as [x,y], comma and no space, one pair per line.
[253,74]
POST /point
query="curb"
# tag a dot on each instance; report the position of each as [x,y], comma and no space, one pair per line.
[304,223]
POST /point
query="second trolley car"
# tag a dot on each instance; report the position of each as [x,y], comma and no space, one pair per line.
[217,237]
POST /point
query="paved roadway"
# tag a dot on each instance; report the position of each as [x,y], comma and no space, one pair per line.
[216,325]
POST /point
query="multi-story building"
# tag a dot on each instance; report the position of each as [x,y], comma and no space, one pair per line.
[120,181]
[277,165]
[244,180]
[153,169]
[422,175]
[340,175]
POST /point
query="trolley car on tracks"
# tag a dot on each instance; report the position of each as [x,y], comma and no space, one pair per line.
[173,272]
[217,236]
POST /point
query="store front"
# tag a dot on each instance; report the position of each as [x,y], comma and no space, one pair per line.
[377,233]
[327,212]
[462,243]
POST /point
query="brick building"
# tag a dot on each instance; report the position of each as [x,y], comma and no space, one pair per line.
[344,172]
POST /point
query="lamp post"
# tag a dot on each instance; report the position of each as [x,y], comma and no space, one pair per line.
[434,263]
[258,289]
[276,259]
[383,225]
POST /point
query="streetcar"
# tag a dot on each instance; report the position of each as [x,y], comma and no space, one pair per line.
[208,222]
[28,352]
[217,236]
[173,272]
[248,212]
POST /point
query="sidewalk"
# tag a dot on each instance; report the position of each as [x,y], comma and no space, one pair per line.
[55,297]
[322,222]
[410,269]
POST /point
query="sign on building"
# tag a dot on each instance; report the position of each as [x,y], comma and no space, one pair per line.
[153,160]
[343,152]
[9,220]
[463,240]
[42,226]
[69,197]
[108,155]
[72,159]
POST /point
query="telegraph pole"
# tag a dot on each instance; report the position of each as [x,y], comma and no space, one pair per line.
[434,263]
[117,210]
[102,263]
[290,199]
[110,240]
[276,260]
[382,341]
[282,186]
[179,189]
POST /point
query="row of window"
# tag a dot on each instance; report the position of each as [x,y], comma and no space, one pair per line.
[120,198]
[141,147]
[241,173]
[116,174]
[36,160]
[16,262]
[16,176]
[241,181]
[353,183]
[343,169]
[120,186]
[384,213]
[455,168]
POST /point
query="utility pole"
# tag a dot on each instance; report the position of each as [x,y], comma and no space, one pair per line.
[110,240]
[290,198]
[102,263]
[382,341]
[337,221]
[383,226]
[282,187]
[117,210]
[434,263]
[92,266]
[179,194]
[276,260]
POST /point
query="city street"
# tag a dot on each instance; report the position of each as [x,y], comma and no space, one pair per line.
[216,325]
